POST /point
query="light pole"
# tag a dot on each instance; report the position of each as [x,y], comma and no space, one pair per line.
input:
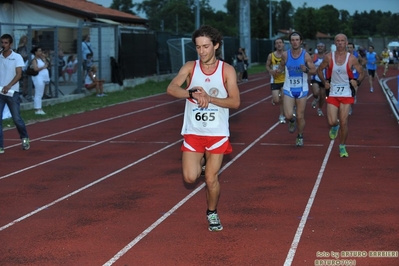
[270,19]
[197,14]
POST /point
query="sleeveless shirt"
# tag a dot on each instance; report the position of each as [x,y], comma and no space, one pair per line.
[340,77]
[317,62]
[211,121]
[275,65]
[295,79]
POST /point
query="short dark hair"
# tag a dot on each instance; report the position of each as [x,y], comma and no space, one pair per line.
[278,39]
[34,49]
[371,46]
[351,43]
[7,36]
[212,33]
[295,33]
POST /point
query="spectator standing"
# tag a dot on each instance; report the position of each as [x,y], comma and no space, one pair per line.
[240,64]
[40,64]
[395,54]
[70,67]
[246,65]
[11,64]
[86,49]
[23,51]
[23,47]
[61,61]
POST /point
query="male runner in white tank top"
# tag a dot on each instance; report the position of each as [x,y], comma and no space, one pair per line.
[342,87]
[211,90]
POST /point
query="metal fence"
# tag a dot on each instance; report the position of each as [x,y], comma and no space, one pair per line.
[58,44]
[125,52]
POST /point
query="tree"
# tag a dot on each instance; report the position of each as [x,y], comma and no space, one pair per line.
[284,17]
[123,5]
[305,21]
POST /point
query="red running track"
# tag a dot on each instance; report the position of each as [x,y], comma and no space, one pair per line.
[105,188]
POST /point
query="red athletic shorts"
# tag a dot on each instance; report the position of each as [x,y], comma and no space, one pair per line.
[336,101]
[216,145]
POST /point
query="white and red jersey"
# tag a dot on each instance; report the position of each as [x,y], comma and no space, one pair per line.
[211,121]
[339,76]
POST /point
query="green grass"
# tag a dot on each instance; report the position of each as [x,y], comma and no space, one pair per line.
[92,102]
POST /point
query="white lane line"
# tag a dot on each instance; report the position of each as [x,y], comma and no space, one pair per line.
[69,141]
[97,122]
[305,215]
[139,142]
[87,147]
[178,205]
[108,119]
[287,144]
[120,116]
[87,186]
[105,177]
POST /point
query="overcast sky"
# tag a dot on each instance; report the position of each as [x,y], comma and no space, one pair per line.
[350,5]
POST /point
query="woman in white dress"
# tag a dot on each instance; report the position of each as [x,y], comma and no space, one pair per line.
[40,80]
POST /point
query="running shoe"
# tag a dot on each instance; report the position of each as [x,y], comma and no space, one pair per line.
[319,112]
[314,103]
[25,144]
[299,141]
[334,132]
[371,90]
[281,119]
[1,150]
[214,222]
[342,151]
[40,112]
[350,110]
[292,126]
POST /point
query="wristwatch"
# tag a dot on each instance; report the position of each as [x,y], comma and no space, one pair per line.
[190,92]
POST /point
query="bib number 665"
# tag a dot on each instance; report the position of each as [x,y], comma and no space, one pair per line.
[205,116]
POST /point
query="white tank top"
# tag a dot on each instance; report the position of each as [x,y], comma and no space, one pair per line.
[211,121]
[340,86]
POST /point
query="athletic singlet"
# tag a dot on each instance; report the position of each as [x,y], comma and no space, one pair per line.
[340,77]
[275,65]
[385,56]
[296,81]
[317,62]
[211,121]
[371,60]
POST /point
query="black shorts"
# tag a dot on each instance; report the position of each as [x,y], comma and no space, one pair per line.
[371,72]
[318,82]
[277,86]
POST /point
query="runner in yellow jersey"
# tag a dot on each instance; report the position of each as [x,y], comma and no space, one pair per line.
[277,78]
[385,60]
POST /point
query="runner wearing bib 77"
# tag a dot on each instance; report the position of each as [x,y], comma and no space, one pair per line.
[342,86]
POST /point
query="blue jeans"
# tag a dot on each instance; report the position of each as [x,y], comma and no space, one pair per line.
[13,105]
